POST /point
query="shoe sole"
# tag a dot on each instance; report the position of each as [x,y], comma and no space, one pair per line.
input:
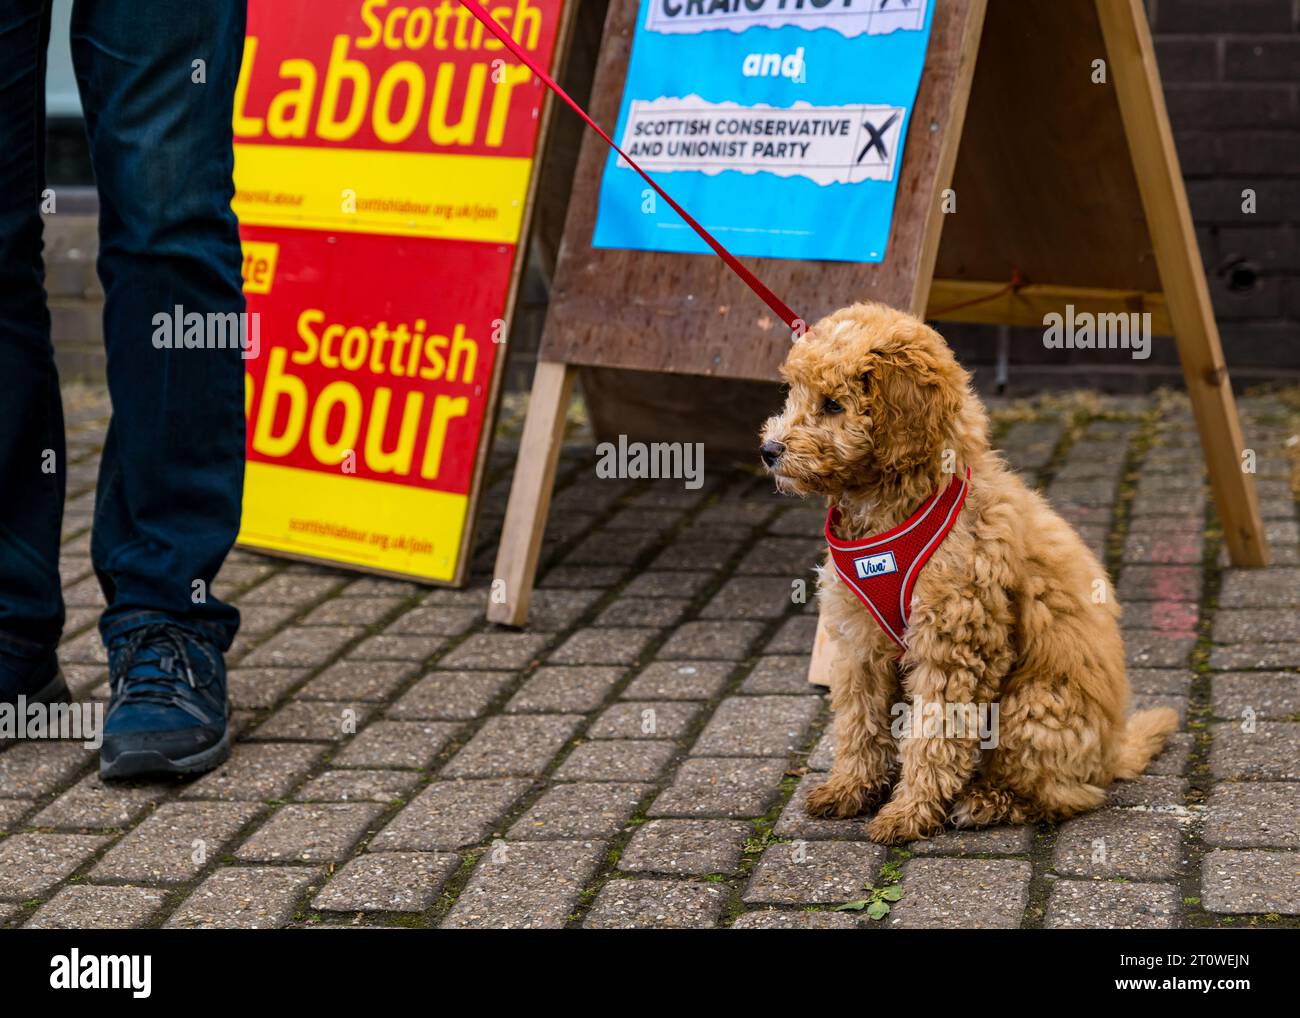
[145,762]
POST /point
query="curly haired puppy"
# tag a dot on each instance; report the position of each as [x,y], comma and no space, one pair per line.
[1012,609]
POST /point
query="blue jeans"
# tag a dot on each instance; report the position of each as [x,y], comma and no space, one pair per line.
[171,476]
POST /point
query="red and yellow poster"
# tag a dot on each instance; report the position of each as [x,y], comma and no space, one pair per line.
[383,168]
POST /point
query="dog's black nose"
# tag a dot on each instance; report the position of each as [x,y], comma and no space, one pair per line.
[771,452]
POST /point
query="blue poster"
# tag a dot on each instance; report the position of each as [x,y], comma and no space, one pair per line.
[778,124]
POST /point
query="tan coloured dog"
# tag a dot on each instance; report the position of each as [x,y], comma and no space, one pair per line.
[1012,609]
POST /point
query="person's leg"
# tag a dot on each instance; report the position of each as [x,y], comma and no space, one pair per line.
[32,467]
[157,80]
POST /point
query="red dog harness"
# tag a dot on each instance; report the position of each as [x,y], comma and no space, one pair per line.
[882,570]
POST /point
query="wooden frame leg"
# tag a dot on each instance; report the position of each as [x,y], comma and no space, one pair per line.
[530,493]
[823,657]
[1164,199]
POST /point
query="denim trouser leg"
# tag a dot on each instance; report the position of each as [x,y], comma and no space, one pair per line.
[32,467]
[157,81]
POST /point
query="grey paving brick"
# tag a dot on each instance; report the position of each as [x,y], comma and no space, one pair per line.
[728,787]
[645,719]
[1251,881]
[1174,617]
[1240,695]
[823,755]
[314,721]
[175,842]
[302,647]
[519,745]
[1119,843]
[789,557]
[1274,588]
[246,897]
[1159,583]
[795,824]
[1161,681]
[1256,625]
[388,882]
[962,893]
[751,597]
[385,744]
[1253,815]
[673,680]
[496,650]
[758,726]
[315,832]
[795,636]
[1152,791]
[781,674]
[359,786]
[560,688]
[92,803]
[256,772]
[526,885]
[567,577]
[696,554]
[259,688]
[687,847]
[727,641]
[31,864]
[450,696]
[85,907]
[448,815]
[813,872]
[350,681]
[617,760]
[985,841]
[1167,547]
[555,610]
[648,612]
[353,611]
[656,904]
[668,584]
[35,769]
[435,620]
[1108,905]
[12,809]
[780,919]
[1244,656]
[1152,648]
[1269,753]
[397,647]
[603,646]
[292,588]
[579,811]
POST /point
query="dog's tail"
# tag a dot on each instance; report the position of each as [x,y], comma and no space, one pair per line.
[1144,736]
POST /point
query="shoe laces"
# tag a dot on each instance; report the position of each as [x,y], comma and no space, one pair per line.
[150,664]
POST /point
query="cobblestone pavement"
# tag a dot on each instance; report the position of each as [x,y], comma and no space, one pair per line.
[638,756]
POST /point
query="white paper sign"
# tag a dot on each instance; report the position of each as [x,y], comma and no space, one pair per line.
[826,144]
[848,17]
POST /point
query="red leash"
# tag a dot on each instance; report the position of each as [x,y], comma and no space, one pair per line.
[795,323]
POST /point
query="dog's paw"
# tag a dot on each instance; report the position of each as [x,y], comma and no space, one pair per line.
[897,825]
[840,799]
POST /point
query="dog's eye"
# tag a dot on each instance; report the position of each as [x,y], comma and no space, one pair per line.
[829,406]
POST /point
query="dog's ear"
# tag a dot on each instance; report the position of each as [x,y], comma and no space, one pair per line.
[913,403]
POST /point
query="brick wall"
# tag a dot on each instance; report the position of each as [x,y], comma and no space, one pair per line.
[1231,70]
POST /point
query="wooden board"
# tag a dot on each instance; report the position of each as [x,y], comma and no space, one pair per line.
[658,311]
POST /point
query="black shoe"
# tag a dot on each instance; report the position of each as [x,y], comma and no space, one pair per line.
[168,712]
